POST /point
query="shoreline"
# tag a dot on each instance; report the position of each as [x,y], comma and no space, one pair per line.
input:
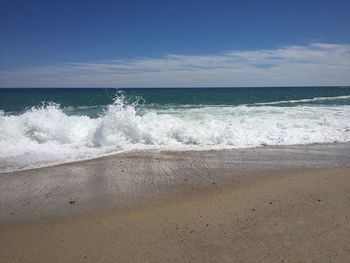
[170,150]
[134,178]
[248,205]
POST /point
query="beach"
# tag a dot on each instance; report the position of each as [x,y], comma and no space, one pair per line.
[267,204]
[170,131]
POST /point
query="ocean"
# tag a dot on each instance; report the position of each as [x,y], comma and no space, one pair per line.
[41,127]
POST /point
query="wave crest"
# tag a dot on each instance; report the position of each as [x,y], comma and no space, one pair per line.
[316,99]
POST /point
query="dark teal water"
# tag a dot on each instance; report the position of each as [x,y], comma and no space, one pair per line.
[13,100]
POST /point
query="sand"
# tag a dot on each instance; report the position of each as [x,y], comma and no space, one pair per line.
[272,204]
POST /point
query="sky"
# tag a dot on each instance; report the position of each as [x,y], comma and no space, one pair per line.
[174,43]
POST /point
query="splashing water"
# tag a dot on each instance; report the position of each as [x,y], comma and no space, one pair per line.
[48,135]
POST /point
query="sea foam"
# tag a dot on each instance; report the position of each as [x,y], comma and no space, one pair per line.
[47,135]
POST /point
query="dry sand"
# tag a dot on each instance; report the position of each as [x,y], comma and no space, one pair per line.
[288,204]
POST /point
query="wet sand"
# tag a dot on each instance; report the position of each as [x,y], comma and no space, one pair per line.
[271,204]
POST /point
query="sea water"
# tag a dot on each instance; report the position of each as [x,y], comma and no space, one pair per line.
[40,127]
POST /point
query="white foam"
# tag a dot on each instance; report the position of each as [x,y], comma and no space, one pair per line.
[46,135]
[304,100]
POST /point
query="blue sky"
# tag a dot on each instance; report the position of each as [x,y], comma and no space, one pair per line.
[174,43]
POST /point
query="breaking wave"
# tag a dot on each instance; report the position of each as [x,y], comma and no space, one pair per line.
[316,99]
[47,135]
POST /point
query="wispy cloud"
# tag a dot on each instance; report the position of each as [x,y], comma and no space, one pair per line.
[313,64]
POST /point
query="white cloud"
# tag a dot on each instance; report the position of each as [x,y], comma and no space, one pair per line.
[314,64]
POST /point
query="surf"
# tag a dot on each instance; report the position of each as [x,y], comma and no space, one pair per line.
[48,134]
